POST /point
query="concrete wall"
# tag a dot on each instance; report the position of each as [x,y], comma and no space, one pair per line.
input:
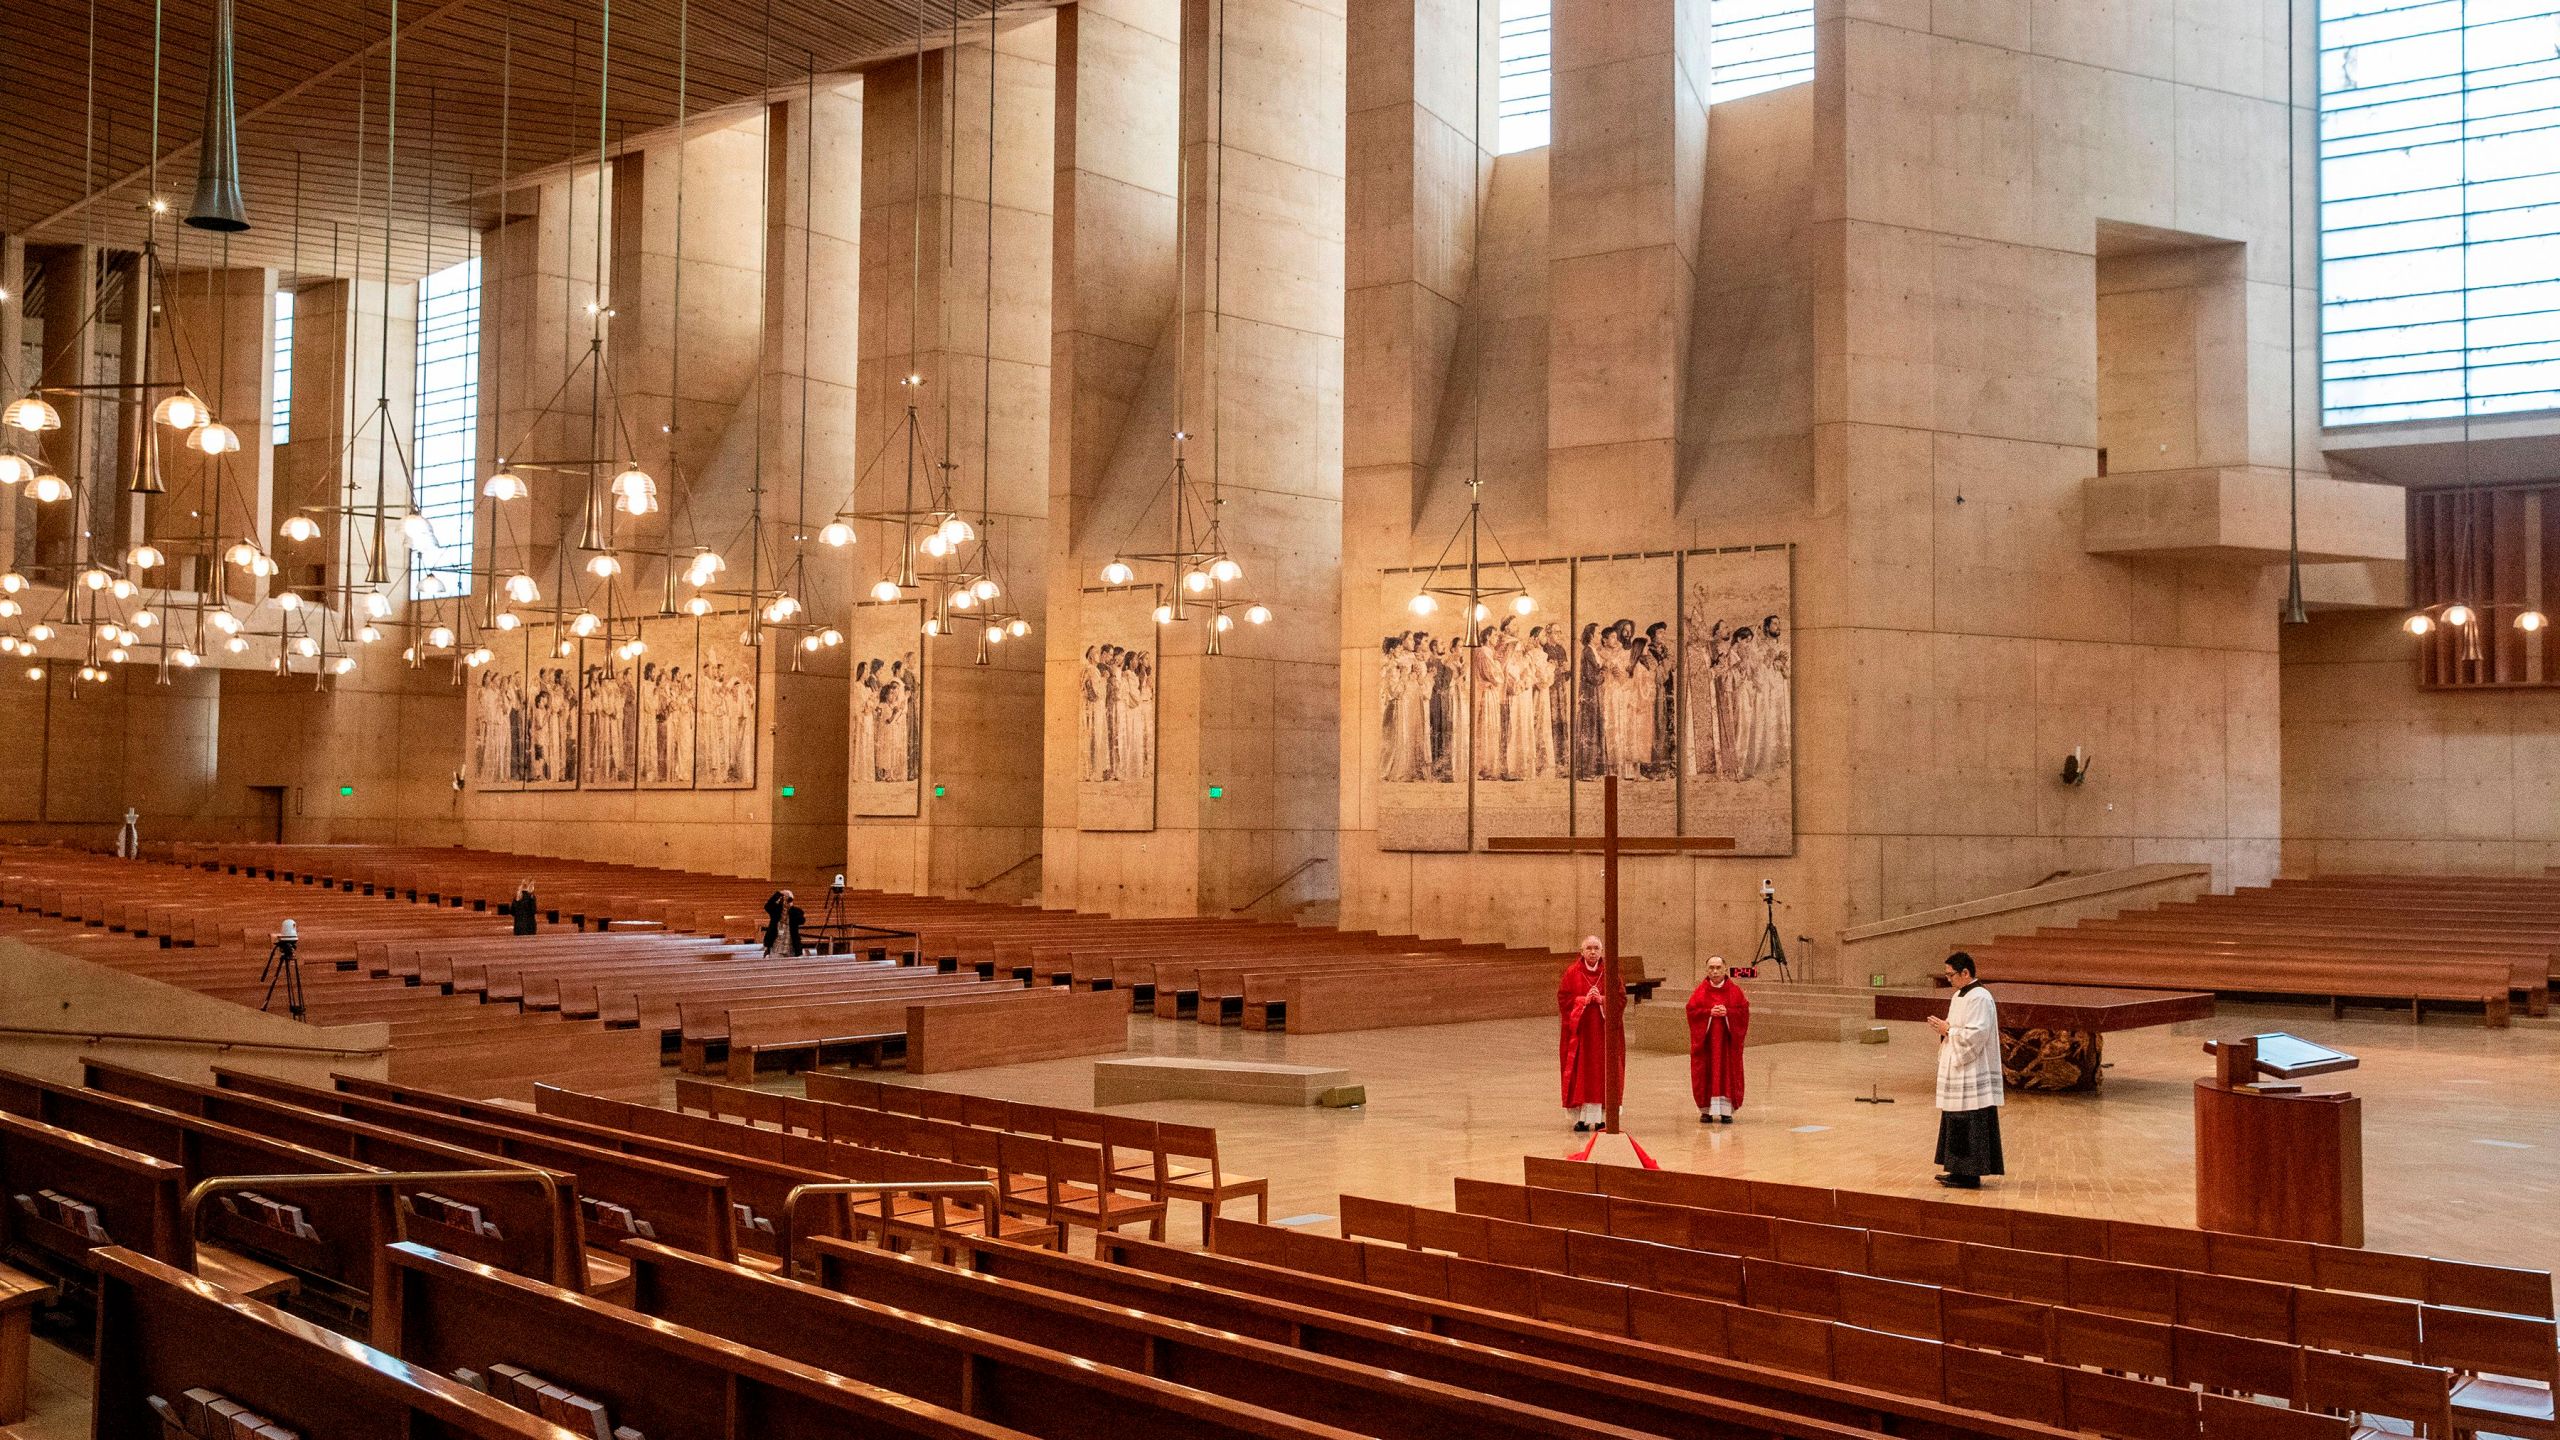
[2380,775]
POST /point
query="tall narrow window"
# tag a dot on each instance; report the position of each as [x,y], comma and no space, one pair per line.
[2439,208]
[280,419]
[1756,45]
[1526,70]
[447,436]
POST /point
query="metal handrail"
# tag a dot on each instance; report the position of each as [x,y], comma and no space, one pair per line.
[186,1040]
[884,1188]
[1304,866]
[563,1273]
[1009,869]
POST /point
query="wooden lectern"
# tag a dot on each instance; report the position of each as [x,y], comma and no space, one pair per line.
[2271,1160]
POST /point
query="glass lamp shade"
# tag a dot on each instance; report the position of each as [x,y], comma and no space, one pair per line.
[2418,624]
[35,672]
[1523,604]
[2531,620]
[288,602]
[31,413]
[809,642]
[932,627]
[1197,582]
[1482,612]
[182,411]
[604,567]
[1225,622]
[1164,614]
[985,589]
[186,659]
[236,645]
[378,605]
[956,532]
[2457,615]
[16,469]
[242,553]
[94,579]
[697,607]
[343,665]
[506,620]
[995,634]
[369,634]
[522,590]
[564,647]
[585,625]
[11,609]
[12,583]
[144,619]
[934,545]
[1258,615]
[837,534]
[226,622]
[831,637]
[40,633]
[440,637]
[1225,571]
[963,600]
[415,529]
[1017,627]
[48,489]
[145,557]
[121,588]
[635,492]
[1118,573]
[1422,604]
[300,528]
[306,647]
[885,591]
[506,484]
[215,438]
[784,607]
[262,566]
[479,656]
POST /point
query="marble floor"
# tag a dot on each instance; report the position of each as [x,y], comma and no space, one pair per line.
[2462,1129]
[2462,1124]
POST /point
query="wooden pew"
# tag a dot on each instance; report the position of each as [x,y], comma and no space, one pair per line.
[657,1378]
[507,1225]
[166,1336]
[1283,1357]
[1010,1031]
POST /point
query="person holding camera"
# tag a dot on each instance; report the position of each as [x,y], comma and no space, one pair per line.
[521,909]
[1719,1025]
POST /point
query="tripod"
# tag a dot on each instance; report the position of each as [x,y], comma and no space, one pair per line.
[831,914]
[284,967]
[1772,950]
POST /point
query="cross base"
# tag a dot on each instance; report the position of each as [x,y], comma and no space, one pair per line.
[1615,1147]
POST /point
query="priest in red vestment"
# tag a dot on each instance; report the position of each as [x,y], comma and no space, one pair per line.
[1719,1023]
[1585,1052]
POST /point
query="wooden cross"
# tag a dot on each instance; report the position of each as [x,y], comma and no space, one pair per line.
[1609,845]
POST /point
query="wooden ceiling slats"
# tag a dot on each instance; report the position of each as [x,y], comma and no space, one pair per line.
[302,65]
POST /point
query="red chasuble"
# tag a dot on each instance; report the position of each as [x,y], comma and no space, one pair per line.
[1715,1042]
[1582,1053]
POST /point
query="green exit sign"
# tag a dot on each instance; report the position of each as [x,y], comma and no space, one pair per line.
[345,791]
[1217,792]
[939,792]
[790,790]
[1876,978]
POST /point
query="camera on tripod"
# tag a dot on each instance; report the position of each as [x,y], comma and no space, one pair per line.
[1772,950]
[284,968]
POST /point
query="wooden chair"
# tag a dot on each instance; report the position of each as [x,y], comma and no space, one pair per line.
[2505,1369]
[2361,1387]
[1212,1192]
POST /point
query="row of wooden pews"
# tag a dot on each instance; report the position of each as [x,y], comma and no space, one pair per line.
[2145,1332]
[1257,974]
[2491,942]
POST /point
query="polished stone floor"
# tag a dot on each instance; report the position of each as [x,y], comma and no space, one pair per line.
[2462,1129]
[2461,1135]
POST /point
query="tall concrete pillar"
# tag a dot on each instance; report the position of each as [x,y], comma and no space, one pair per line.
[1111,345]
[1627,183]
[927,313]
[216,333]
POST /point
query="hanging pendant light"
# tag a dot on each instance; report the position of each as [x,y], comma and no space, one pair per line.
[217,204]
[48,489]
[145,557]
[505,484]
[215,438]
[300,528]
[522,590]
[16,469]
[182,411]
[31,413]
[1118,573]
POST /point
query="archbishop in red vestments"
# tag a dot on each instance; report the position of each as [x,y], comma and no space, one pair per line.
[1719,1023]
[1585,1053]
